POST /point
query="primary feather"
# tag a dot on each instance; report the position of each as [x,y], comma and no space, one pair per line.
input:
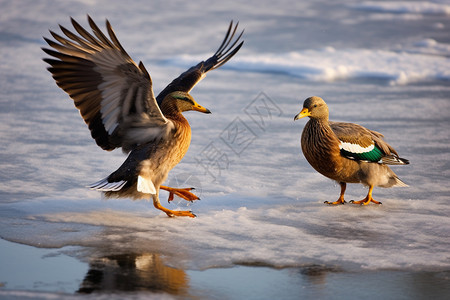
[113,93]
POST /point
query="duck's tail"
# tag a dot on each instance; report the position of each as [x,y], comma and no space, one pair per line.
[398,182]
[105,186]
[112,187]
[394,160]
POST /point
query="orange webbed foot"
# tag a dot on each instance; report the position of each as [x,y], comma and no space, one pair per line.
[179,213]
[365,201]
[340,200]
[337,202]
[174,213]
[169,212]
[183,193]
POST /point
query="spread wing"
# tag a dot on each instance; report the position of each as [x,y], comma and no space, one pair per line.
[360,143]
[187,80]
[113,94]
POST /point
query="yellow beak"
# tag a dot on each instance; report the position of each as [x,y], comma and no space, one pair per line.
[304,113]
[200,108]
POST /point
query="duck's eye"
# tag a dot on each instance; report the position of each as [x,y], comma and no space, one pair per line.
[184,98]
[315,105]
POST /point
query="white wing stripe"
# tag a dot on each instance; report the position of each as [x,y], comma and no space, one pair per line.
[355,148]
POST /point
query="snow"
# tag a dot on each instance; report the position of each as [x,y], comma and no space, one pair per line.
[329,64]
[261,203]
[281,236]
[403,7]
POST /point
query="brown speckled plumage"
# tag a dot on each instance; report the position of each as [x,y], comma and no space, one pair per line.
[346,152]
[115,98]
[161,156]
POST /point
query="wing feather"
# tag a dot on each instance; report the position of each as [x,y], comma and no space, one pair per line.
[360,143]
[84,33]
[188,79]
[99,34]
[84,43]
[114,94]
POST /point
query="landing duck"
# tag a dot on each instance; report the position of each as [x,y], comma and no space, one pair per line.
[115,98]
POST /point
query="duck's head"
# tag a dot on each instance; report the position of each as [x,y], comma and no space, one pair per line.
[313,107]
[182,101]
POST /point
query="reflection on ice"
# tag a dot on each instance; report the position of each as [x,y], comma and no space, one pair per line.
[397,235]
[134,272]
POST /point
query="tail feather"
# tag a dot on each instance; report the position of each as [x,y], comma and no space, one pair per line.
[399,182]
[394,160]
[105,186]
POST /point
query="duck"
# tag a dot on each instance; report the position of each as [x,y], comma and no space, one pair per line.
[347,152]
[115,98]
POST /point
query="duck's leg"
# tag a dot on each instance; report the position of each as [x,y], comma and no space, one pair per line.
[341,196]
[368,198]
[182,193]
[170,213]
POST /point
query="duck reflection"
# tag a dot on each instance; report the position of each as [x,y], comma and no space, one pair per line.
[134,272]
[317,274]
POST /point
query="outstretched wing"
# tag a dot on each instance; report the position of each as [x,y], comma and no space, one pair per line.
[360,143]
[112,92]
[187,80]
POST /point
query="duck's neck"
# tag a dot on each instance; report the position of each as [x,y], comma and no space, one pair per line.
[320,124]
[318,132]
[171,111]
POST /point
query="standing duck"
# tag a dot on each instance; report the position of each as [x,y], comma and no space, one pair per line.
[115,98]
[347,152]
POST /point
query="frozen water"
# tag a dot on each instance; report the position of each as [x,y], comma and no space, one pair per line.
[35,263]
[402,7]
[278,235]
[384,65]
[329,64]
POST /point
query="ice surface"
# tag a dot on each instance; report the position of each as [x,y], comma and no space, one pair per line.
[330,64]
[262,204]
[25,263]
[290,235]
[401,7]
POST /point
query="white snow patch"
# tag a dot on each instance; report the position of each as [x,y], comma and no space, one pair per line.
[329,64]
